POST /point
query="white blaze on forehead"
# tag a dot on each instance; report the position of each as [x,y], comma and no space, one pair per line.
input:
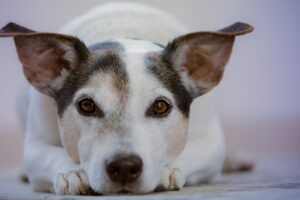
[143,86]
[138,46]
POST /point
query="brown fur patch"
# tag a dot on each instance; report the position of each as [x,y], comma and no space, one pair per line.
[207,65]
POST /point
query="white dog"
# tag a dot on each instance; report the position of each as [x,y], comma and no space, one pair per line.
[109,113]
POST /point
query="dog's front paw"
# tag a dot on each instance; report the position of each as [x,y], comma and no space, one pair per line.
[172,179]
[72,183]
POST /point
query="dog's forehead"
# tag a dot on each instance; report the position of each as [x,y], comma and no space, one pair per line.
[126,45]
[139,46]
[124,60]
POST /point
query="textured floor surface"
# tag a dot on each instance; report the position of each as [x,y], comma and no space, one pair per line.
[271,180]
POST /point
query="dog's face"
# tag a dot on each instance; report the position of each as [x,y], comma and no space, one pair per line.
[123,104]
[130,106]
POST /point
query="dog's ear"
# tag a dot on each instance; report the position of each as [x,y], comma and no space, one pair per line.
[200,57]
[47,58]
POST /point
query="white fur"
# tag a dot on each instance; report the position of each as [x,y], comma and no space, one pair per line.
[46,162]
[125,20]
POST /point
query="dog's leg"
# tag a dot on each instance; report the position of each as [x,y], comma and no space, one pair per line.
[47,164]
[50,169]
[236,163]
[201,160]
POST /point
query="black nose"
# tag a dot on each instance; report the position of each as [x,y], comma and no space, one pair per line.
[124,168]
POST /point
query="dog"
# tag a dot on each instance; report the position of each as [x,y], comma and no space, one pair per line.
[107,106]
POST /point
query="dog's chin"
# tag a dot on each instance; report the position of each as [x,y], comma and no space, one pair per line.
[128,191]
[124,190]
[132,188]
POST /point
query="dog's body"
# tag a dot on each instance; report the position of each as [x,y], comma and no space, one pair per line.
[124,69]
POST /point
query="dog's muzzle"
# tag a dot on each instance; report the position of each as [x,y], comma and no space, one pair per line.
[124,168]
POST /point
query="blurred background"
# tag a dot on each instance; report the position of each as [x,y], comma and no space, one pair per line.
[259,96]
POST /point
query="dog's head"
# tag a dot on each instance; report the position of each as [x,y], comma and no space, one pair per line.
[123,104]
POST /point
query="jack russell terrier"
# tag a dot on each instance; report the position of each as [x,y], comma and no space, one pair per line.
[108,106]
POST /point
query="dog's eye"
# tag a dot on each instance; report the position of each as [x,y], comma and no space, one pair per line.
[86,106]
[159,108]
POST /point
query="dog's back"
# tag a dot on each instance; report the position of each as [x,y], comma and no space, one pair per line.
[125,20]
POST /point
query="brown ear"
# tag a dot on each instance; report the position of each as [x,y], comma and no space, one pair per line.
[200,57]
[47,58]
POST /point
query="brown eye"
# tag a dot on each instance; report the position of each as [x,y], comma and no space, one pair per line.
[159,108]
[86,105]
